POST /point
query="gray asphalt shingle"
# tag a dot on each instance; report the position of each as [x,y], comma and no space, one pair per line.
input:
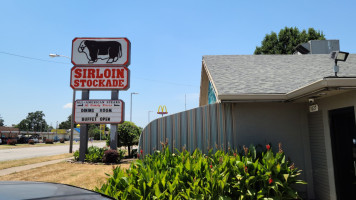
[256,74]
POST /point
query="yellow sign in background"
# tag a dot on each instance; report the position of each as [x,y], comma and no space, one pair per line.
[59,131]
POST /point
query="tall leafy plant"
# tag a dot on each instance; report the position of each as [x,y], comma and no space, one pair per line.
[233,175]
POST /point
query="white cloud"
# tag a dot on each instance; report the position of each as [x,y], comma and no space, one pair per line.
[68,105]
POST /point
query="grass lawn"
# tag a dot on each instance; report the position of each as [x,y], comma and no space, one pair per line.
[81,175]
[28,161]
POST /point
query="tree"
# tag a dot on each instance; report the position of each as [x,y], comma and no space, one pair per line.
[66,124]
[1,121]
[94,131]
[286,40]
[34,122]
[128,135]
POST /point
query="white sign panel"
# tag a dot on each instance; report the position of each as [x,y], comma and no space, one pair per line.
[101,51]
[99,112]
[100,78]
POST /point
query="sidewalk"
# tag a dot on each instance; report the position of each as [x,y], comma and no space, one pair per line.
[27,167]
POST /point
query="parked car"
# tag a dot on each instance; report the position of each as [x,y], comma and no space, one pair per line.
[22,140]
[0,141]
[34,139]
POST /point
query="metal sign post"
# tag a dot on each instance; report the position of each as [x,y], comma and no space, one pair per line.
[83,148]
[113,127]
[72,125]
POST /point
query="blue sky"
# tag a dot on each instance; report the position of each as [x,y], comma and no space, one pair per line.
[168,40]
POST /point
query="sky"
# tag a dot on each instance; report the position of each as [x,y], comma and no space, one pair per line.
[168,40]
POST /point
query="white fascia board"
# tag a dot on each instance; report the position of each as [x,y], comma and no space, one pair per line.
[252,97]
[322,84]
[210,79]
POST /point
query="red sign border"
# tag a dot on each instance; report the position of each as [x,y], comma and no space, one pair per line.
[122,111]
[79,88]
[128,59]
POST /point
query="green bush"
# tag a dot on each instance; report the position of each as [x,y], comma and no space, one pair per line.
[95,154]
[108,141]
[121,153]
[245,175]
[76,155]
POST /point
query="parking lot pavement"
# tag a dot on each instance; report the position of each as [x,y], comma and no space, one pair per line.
[31,152]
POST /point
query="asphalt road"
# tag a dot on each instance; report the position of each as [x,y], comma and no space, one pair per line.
[31,152]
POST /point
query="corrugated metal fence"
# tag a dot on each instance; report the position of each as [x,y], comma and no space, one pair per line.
[204,127]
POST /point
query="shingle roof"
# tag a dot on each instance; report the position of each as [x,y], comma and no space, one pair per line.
[271,74]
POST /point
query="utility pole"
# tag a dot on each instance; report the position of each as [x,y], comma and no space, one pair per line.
[185,105]
[73,103]
[149,116]
[131,106]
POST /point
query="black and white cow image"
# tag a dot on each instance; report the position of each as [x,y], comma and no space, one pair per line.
[94,50]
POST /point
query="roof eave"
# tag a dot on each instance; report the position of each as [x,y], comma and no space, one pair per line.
[317,86]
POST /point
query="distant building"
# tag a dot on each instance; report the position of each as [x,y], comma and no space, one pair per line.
[6,132]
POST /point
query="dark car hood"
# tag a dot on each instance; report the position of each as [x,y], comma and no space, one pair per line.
[11,190]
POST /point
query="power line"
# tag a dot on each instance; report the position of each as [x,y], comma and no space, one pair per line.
[172,83]
[32,58]
[43,60]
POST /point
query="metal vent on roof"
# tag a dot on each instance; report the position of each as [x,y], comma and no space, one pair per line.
[318,47]
[302,49]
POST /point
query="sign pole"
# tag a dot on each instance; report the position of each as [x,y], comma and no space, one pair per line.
[113,127]
[72,125]
[83,148]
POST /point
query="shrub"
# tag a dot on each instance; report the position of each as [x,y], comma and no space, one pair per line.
[232,175]
[108,141]
[49,141]
[121,153]
[95,154]
[76,155]
[11,142]
[31,142]
[61,140]
[111,156]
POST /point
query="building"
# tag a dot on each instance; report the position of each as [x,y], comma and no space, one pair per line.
[8,132]
[258,99]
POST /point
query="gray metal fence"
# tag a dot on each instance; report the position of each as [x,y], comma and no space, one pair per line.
[205,127]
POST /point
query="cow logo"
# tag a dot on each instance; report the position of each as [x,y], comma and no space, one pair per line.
[103,50]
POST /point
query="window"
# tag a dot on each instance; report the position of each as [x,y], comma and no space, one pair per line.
[211,94]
